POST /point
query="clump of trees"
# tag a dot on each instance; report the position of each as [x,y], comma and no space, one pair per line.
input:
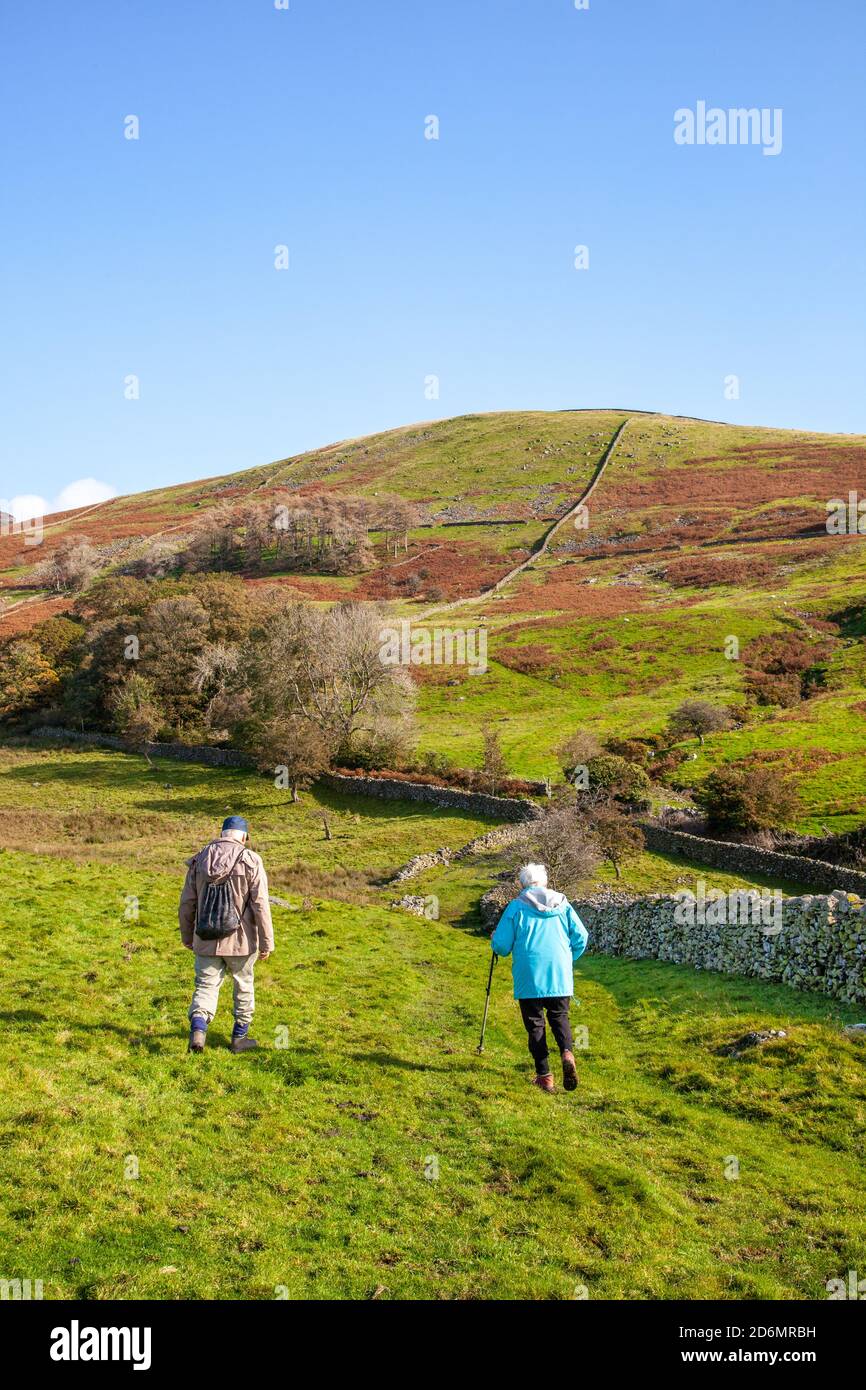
[70,567]
[207,659]
[322,533]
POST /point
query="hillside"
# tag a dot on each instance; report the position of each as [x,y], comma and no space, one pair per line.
[697,533]
[366,1151]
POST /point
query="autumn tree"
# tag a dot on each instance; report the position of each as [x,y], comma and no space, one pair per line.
[741,798]
[27,678]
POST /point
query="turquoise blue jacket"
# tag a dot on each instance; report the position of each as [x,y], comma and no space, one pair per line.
[545,936]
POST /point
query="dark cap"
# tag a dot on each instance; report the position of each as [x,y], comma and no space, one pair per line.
[236,823]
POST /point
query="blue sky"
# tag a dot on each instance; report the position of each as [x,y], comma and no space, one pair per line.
[410,257]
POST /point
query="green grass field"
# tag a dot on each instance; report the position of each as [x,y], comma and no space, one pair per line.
[366,1151]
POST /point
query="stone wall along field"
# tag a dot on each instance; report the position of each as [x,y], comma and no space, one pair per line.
[821,945]
[508,808]
[747,860]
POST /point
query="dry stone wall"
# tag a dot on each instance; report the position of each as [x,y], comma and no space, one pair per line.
[508,808]
[746,859]
[821,945]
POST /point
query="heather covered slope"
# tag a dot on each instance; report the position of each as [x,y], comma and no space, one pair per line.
[672,483]
[698,533]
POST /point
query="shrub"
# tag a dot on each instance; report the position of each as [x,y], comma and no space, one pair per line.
[741,799]
[785,668]
[612,777]
[577,750]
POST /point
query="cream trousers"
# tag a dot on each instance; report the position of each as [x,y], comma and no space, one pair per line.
[210,972]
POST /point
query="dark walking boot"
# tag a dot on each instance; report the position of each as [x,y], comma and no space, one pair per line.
[242,1044]
[197,1039]
[569,1071]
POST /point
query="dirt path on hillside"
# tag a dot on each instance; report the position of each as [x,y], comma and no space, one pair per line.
[544,544]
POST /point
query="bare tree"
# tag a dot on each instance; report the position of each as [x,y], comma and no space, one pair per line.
[325,667]
[563,842]
[72,566]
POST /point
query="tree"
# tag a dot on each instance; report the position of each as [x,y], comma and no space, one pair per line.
[618,838]
[324,667]
[136,712]
[71,567]
[172,635]
[698,717]
[291,748]
[741,798]
[576,751]
[562,841]
[27,678]
[493,766]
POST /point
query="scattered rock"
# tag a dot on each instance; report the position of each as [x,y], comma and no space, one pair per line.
[748,1040]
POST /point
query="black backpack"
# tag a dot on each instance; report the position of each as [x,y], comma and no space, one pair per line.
[217,915]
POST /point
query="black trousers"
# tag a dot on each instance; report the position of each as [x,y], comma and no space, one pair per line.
[532,1011]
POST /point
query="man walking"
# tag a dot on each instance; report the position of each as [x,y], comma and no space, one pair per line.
[546,937]
[225,918]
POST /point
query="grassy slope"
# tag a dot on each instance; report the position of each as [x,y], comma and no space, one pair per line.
[304,1166]
[618,644]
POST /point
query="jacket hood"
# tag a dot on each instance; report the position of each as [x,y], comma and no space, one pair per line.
[218,859]
[543,899]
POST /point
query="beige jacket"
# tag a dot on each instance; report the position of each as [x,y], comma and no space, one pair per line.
[228,858]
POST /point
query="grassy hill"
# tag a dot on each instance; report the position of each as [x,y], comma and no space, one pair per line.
[375,1155]
[698,532]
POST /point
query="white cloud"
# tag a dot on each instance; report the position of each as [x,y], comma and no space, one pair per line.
[84,492]
[25,507]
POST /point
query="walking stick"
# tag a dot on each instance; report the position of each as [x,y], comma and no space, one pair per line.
[480,1048]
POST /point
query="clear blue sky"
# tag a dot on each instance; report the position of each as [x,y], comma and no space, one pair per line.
[412,257]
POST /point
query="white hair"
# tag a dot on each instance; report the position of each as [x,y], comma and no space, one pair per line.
[533,876]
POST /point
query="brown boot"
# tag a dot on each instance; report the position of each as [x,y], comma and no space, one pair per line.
[569,1071]
[243,1044]
[545,1083]
[197,1039]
